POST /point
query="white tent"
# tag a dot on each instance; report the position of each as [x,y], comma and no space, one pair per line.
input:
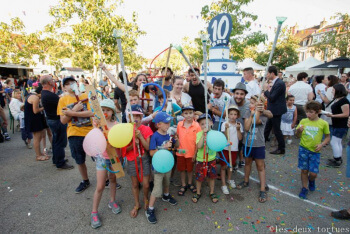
[303,66]
[248,62]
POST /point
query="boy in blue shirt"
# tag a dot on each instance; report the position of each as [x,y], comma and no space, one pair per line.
[160,140]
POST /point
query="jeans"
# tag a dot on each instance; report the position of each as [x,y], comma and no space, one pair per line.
[59,141]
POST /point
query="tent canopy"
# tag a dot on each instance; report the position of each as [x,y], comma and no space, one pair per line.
[341,62]
[248,62]
[304,65]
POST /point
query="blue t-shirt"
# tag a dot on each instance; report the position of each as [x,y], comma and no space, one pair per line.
[158,140]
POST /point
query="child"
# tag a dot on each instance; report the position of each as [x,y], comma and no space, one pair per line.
[138,159]
[134,100]
[27,136]
[310,131]
[175,109]
[233,131]
[109,111]
[257,150]
[289,119]
[186,133]
[160,140]
[205,166]
[77,114]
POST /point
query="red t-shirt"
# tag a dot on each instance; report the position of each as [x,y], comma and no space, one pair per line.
[146,132]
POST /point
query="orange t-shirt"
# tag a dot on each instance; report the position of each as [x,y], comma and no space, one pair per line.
[187,139]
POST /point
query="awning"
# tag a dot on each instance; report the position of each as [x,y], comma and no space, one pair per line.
[14,66]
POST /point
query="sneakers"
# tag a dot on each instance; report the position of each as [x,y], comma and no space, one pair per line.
[174,183]
[225,190]
[334,163]
[118,186]
[241,164]
[232,183]
[82,186]
[303,193]
[333,160]
[289,141]
[169,199]
[312,185]
[66,166]
[95,220]
[151,216]
[7,136]
[115,208]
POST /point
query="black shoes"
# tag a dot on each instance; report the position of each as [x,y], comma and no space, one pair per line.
[277,151]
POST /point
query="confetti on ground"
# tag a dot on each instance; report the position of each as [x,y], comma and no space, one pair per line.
[28,214]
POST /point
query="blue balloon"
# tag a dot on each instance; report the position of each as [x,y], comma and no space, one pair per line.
[163,161]
[216,140]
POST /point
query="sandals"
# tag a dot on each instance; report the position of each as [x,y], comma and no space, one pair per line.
[134,212]
[214,198]
[182,190]
[262,197]
[196,197]
[341,214]
[42,158]
[243,184]
[192,188]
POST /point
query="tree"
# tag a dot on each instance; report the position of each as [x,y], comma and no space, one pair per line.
[90,24]
[285,54]
[193,50]
[336,42]
[240,37]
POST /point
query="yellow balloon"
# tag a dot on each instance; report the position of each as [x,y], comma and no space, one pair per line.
[120,135]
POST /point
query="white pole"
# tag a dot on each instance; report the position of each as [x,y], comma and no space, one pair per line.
[204,38]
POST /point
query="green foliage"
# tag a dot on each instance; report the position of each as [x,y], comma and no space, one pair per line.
[240,37]
[336,42]
[285,54]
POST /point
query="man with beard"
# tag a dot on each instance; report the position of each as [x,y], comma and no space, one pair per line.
[239,100]
[195,88]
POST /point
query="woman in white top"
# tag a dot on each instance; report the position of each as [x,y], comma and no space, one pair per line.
[15,104]
[177,94]
[332,80]
[320,87]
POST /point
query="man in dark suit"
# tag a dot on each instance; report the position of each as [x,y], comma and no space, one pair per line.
[276,103]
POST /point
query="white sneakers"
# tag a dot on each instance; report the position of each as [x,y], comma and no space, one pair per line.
[225,190]
[289,141]
[232,183]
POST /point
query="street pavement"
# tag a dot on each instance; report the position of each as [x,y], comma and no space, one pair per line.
[38,198]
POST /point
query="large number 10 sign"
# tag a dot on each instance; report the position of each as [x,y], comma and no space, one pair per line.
[219,29]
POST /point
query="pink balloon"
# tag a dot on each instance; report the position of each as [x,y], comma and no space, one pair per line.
[95,143]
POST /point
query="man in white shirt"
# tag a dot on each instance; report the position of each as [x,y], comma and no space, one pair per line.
[252,86]
[302,92]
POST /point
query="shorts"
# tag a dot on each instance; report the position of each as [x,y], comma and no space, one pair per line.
[76,149]
[184,164]
[101,162]
[339,132]
[308,160]
[146,166]
[211,172]
[233,158]
[161,181]
[256,153]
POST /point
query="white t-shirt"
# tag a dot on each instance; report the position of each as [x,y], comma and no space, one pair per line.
[185,99]
[252,88]
[233,136]
[219,102]
[15,107]
[300,90]
[321,87]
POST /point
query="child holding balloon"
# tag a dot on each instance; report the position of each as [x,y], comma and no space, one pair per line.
[160,140]
[109,111]
[206,161]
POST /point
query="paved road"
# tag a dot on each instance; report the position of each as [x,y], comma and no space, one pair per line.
[36,197]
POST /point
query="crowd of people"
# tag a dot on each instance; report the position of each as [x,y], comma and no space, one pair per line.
[276,110]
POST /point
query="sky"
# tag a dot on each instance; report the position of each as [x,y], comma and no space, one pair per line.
[167,22]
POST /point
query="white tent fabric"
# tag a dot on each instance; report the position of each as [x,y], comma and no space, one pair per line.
[304,65]
[248,62]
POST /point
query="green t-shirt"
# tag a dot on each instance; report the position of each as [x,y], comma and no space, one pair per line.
[313,133]
[211,153]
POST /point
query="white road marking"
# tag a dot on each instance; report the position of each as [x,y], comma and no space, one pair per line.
[290,194]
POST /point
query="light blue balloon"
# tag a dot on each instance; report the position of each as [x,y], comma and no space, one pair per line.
[216,140]
[163,161]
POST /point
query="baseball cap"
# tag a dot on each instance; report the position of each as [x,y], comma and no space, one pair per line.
[136,110]
[109,104]
[66,79]
[162,117]
[203,116]
[188,107]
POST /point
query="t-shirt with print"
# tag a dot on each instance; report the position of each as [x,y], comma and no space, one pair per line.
[233,135]
[312,133]
[200,156]
[187,138]
[158,141]
[219,102]
[131,155]
[242,109]
[78,126]
[259,139]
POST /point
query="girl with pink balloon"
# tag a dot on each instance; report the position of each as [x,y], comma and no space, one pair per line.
[95,144]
